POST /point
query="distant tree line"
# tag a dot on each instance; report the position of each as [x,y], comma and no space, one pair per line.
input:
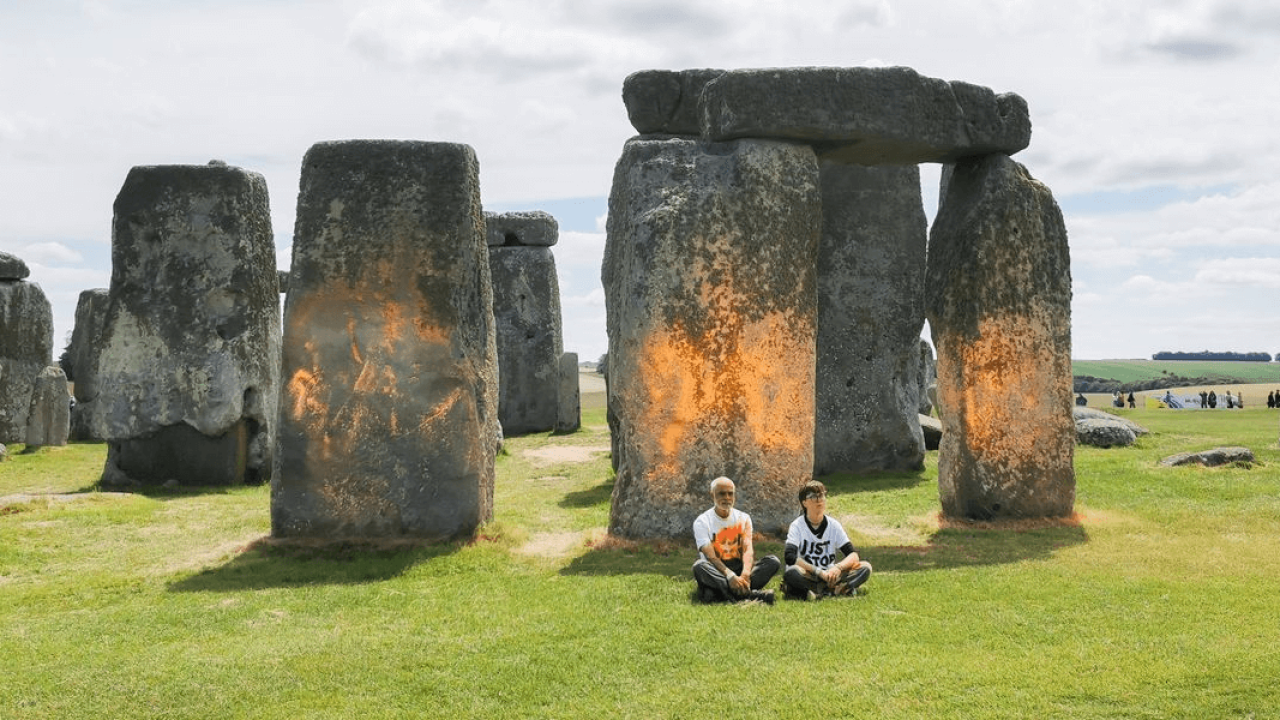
[1206,355]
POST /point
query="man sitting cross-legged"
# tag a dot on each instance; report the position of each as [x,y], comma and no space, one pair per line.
[723,536]
[812,541]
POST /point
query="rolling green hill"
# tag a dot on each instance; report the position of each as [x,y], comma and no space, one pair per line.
[1221,371]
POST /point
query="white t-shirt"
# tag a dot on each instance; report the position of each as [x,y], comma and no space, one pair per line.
[818,549]
[726,533]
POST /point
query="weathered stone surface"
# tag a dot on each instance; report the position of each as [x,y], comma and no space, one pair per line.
[931,428]
[866,115]
[1104,433]
[91,314]
[282,280]
[525,228]
[998,300]
[666,101]
[190,338]
[26,349]
[871,264]
[1079,412]
[50,415]
[388,415]
[13,267]
[711,305]
[1210,458]
[526,314]
[927,373]
[569,401]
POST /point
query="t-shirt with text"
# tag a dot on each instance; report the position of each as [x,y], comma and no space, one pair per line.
[818,548]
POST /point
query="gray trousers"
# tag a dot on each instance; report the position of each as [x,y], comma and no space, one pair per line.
[708,576]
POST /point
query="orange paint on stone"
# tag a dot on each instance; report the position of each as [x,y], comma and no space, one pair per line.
[753,377]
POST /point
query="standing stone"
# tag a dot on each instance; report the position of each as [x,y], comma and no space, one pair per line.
[26,348]
[187,374]
[871,264]
[928,375]
[91,314]
[709,284]
[388,413]
[526,314]
[50,416]
[999,308]
[569,400]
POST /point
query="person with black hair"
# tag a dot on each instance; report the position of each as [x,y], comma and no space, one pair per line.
[812,543]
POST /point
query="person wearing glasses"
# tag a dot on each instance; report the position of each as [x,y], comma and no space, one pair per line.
[812,542]
[725,551]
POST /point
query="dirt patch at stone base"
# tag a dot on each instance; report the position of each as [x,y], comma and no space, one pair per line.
[564,454]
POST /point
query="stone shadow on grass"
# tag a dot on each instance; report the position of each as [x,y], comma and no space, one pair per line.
[269,563]
[600,494]
[872,481]
[966,545]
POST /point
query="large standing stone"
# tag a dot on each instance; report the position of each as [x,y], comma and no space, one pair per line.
[388,415]
[91,314]
[865,115]
[569,402]
[26,349]
[50,415]
[999,307]
[871,265]
[709,285]
[187,375]
[526,313]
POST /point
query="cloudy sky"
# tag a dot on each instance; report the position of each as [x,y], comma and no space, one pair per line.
[1154,122]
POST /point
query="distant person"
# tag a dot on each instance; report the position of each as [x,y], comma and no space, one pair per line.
[1204,399]
[1117,399]
[1271,400]
[1081,400]
[1230,402]
[1213,399]
[1132,405]
[723,536]
[812,541]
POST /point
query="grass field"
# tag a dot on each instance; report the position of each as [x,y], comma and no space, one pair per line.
[1160,601]
[1136,370]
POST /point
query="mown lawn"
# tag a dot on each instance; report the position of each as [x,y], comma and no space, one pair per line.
[1161,601]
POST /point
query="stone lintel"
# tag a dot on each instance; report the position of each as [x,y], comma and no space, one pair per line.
[528,228]
[865,115]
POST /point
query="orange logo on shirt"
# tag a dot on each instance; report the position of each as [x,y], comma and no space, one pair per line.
[728,543]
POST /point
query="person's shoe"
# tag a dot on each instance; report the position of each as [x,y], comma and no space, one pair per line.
[708,595]
[765,596]
[855,582]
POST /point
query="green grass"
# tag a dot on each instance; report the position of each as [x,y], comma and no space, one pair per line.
[1161,602]
[1223,371]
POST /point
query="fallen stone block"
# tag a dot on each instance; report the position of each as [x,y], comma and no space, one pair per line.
[1210,458]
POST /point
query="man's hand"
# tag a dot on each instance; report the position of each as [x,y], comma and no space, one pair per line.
[740,584]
